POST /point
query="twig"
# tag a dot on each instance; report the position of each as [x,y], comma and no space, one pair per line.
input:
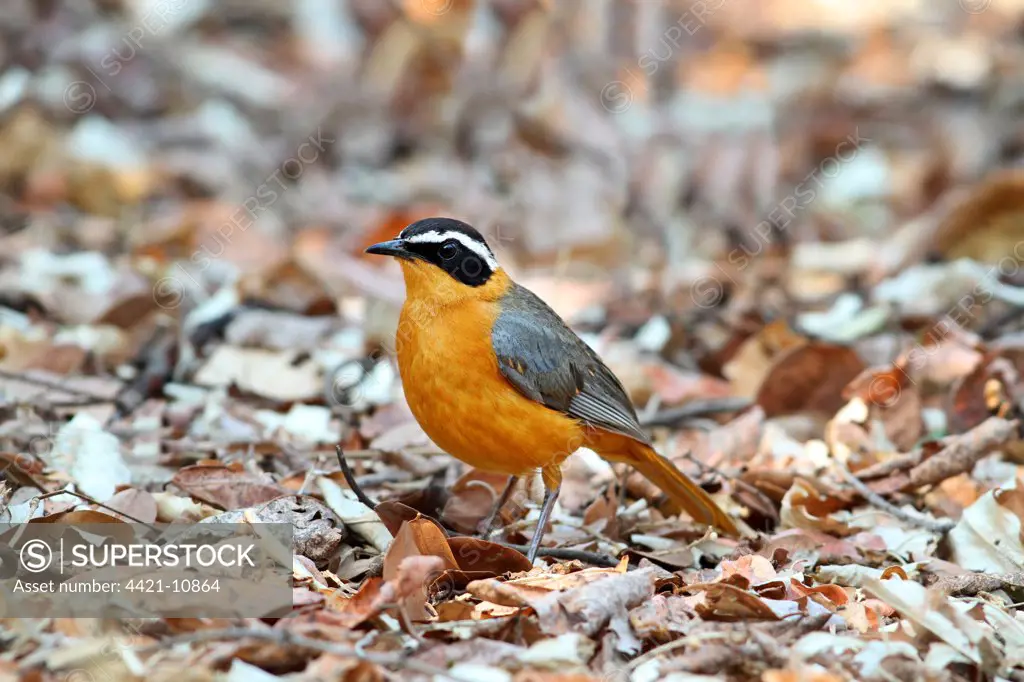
[351,480]
[698,408]
[90,500]
[566,554]
[891,466]
[286,638]
[971,584]
[54,386]
[962,452]
[958,455]
[876,500]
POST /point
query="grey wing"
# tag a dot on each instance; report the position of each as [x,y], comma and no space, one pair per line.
[545,361]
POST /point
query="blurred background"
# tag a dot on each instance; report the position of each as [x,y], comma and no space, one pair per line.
[793,228]
[681,173]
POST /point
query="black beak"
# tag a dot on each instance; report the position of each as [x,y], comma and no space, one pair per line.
[394,247]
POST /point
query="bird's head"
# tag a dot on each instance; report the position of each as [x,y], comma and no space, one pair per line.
[444,259]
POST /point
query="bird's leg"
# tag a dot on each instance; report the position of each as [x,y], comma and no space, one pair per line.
[502,500]
[550,495]
[552,477]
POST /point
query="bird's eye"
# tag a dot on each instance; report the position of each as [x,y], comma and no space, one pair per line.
[448,250]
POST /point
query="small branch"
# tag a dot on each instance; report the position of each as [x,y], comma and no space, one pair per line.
[565,554]
[410,628]
[91,500]
[697,408]
[55,386]
[286,638]
[972,584]
[958,455]
[890,466]
[351,480]
[876,500]
[962,452]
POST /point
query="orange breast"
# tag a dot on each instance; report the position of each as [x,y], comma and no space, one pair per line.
[453,386]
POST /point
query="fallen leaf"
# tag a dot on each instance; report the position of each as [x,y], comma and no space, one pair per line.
[354,514]
[808,377]
[474,554]
[226,487]
[662,618]
[139,505]
[417,556]
[988,536]
[933,612]
[91,456]
[277,375]
[473,496]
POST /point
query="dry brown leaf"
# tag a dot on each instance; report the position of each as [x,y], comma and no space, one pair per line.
[473,496]
[753,360]
[474,554]
[834,594]
[969,399]
[78,516]
[809,377]
[227,487]
[522,591]
[19,353]
[804,508]
[136,505]
[892,399]
[425,544]
[394,514]
[987,224]
[721,601]
[662,618]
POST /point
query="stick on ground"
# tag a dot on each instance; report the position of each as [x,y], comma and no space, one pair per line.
[876,500]
[351,479]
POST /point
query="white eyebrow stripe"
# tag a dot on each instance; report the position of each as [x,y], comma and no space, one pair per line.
[435,237]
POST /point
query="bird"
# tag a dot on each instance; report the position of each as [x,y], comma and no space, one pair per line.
[498,380]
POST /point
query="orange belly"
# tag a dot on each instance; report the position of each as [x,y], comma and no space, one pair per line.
[456,392]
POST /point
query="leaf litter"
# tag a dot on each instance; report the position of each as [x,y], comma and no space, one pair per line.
[815,306]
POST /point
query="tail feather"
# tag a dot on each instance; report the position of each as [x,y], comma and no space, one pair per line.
[680,489]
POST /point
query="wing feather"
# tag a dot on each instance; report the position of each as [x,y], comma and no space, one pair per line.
[547,362]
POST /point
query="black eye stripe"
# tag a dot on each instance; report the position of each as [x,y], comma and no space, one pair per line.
[462,263]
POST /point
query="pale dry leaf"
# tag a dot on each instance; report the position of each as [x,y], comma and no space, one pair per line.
[309,424]
[555,653]
[357,516]
[91,456]
[278,375]
[933,612]
[988,536]
[172,508]
[869,655]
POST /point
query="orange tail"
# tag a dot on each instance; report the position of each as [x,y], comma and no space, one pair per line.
[683,492]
